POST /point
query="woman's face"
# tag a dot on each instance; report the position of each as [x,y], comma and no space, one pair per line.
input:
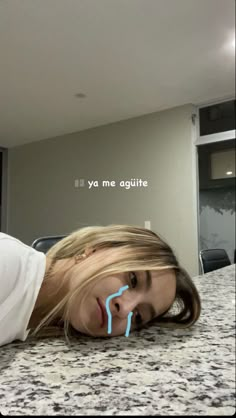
[149,294]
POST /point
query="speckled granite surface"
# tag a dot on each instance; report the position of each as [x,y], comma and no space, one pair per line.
[155,372]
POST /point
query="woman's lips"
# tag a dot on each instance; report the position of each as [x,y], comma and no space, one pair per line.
[104,317]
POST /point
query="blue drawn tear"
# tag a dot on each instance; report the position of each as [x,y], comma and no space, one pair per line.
[128,324]
[122,289]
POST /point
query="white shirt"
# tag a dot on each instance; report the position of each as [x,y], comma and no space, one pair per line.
[22,270]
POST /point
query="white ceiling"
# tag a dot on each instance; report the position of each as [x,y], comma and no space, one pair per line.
[130,57]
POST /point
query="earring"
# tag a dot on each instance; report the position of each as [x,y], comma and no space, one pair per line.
[79,257]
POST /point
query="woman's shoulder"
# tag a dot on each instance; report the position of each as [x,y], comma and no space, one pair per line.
[19,264]
[6,239]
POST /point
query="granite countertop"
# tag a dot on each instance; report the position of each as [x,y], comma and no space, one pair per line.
[153,372]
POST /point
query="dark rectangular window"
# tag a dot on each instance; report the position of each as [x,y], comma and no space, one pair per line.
[217,118]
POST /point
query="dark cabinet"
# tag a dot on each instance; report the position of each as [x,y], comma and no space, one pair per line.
[216,162]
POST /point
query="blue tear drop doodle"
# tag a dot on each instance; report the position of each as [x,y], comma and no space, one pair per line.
[122,289]
[128,324]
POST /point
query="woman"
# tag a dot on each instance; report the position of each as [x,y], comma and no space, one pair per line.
[66,290]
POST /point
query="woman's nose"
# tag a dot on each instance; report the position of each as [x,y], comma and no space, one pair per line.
[122,307]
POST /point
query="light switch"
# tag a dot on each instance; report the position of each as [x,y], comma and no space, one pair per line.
[147,224]
[76,183]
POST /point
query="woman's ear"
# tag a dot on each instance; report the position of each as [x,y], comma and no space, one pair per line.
[88,251]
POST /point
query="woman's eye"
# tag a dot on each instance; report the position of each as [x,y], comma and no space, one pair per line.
[134,280]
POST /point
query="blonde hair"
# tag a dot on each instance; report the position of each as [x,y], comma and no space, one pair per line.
[142,250]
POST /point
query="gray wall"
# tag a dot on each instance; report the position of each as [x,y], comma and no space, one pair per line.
[158,148]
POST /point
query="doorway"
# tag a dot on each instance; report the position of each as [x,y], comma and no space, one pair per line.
[216,146]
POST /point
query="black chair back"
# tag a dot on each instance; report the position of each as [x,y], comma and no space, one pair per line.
[45,243]
[213,259]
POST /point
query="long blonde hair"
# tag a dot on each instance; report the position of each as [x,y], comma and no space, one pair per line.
[142,249]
